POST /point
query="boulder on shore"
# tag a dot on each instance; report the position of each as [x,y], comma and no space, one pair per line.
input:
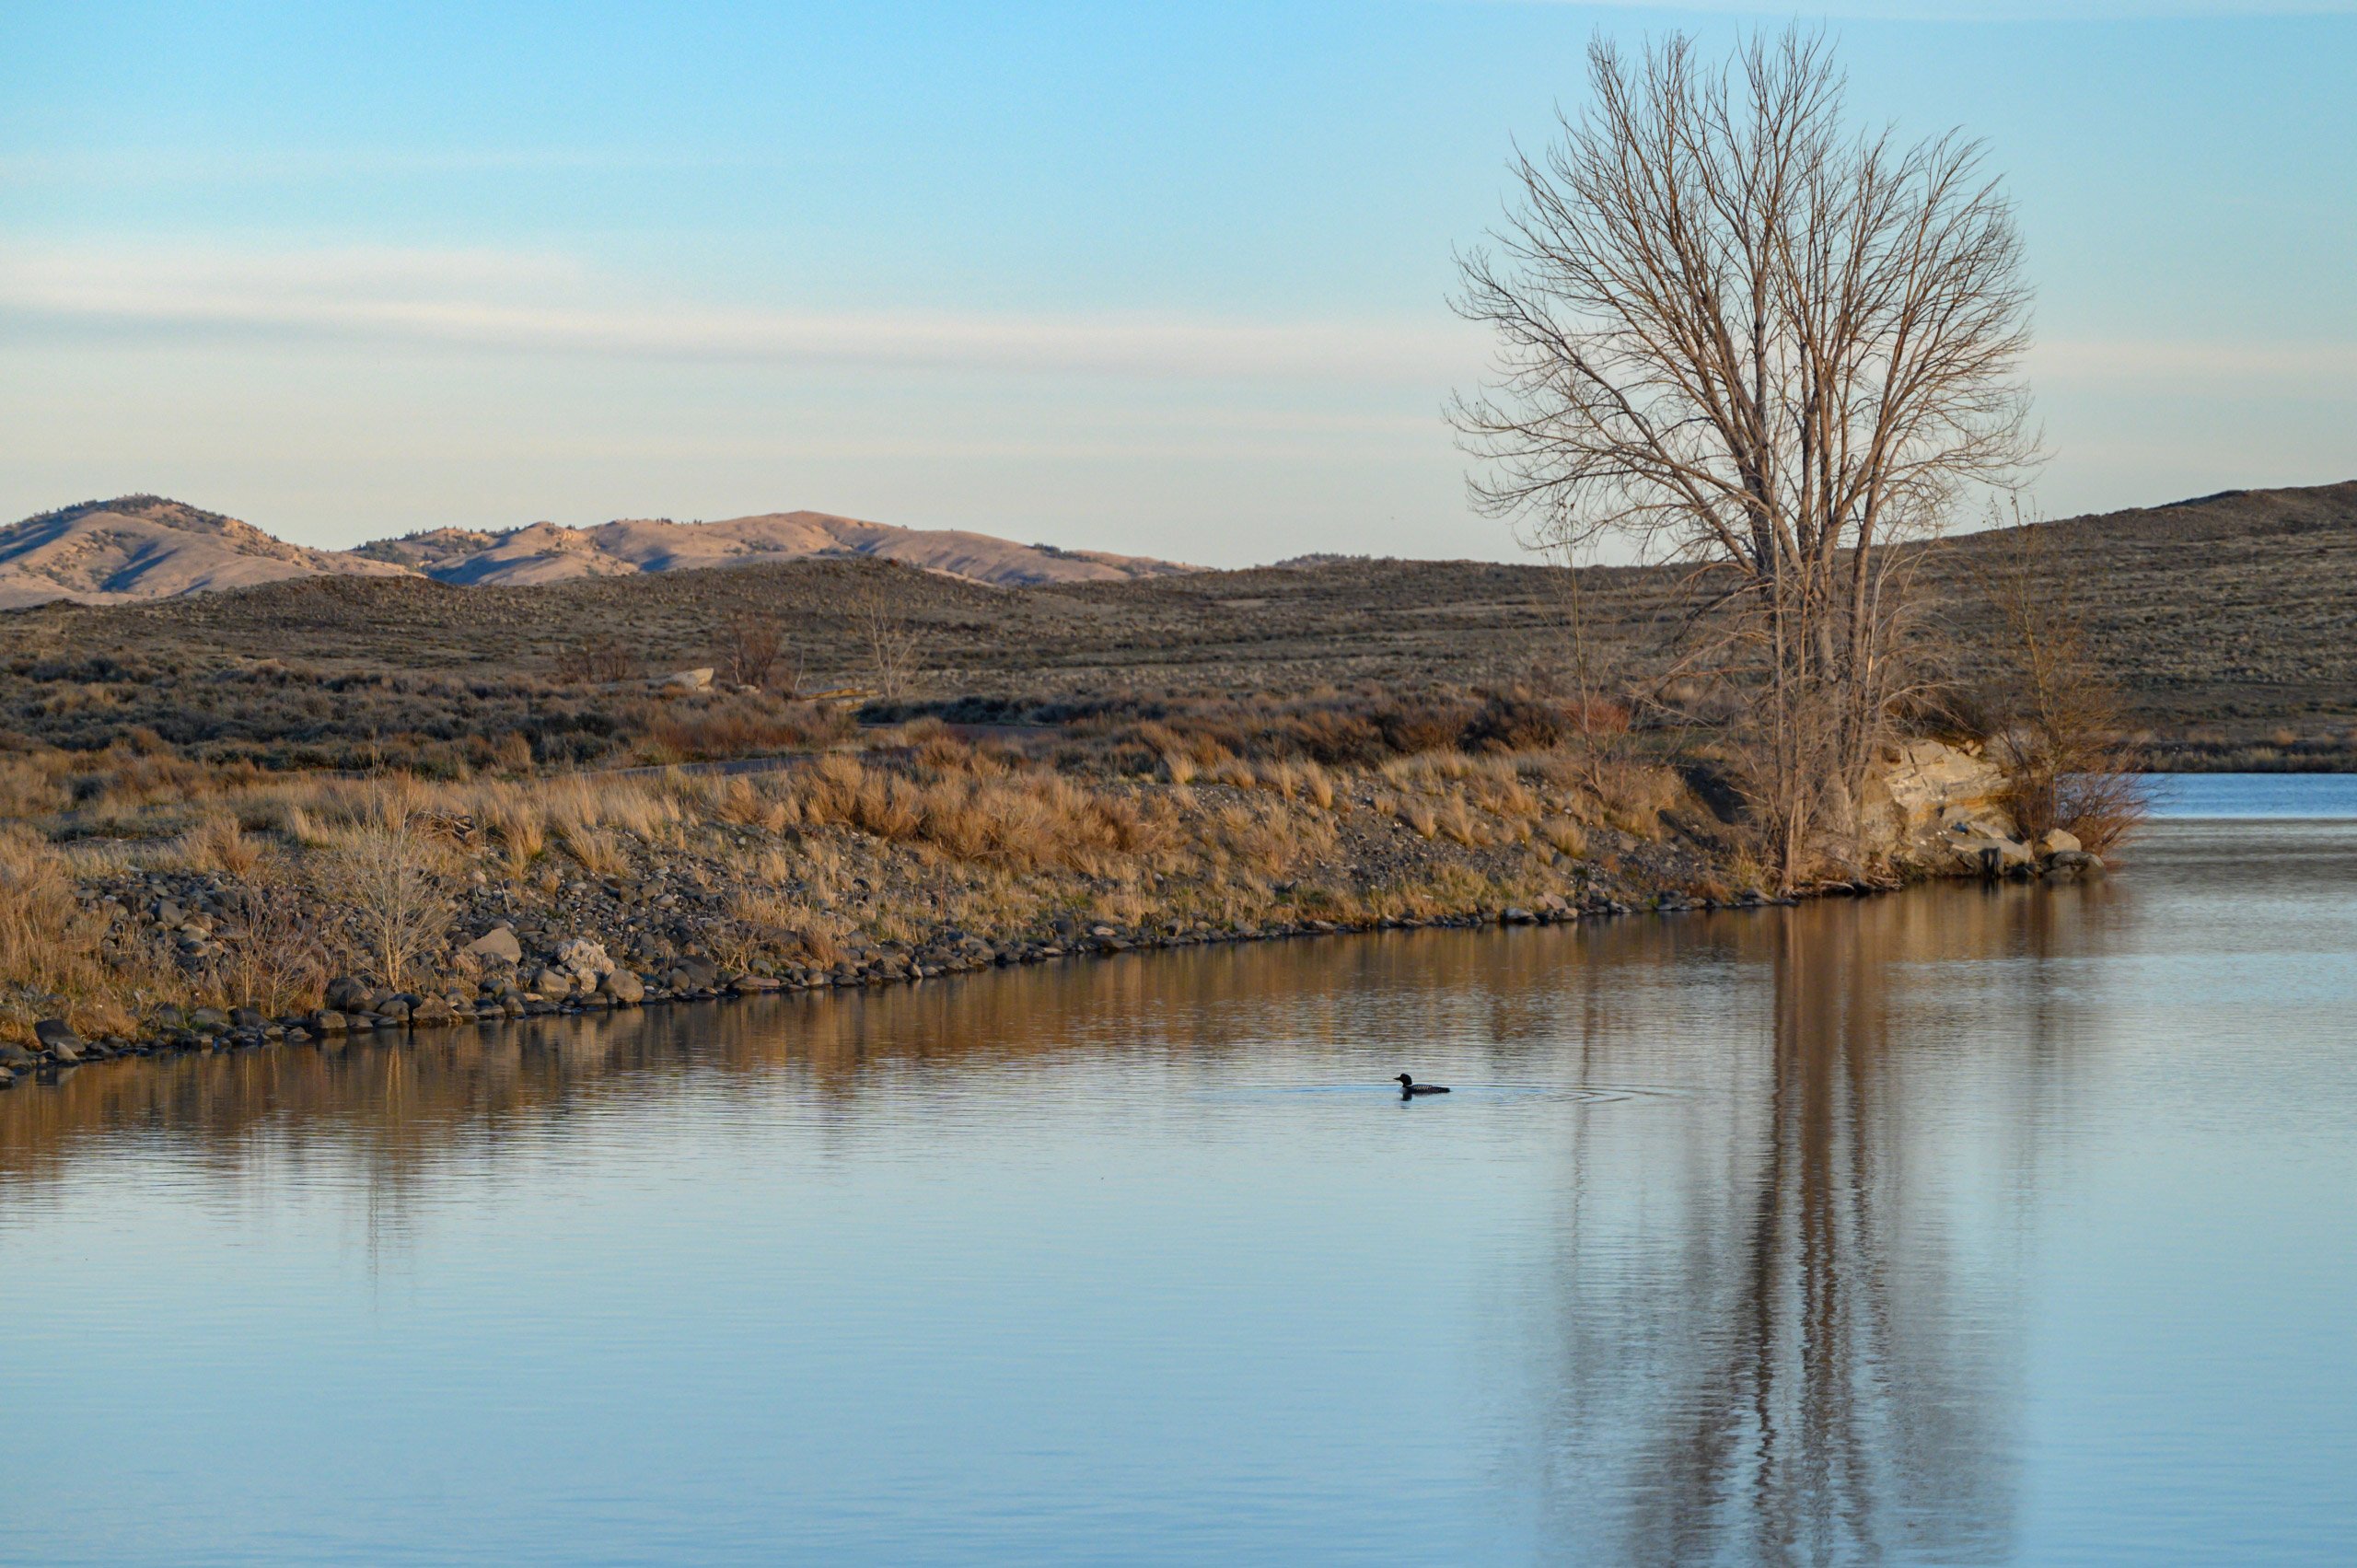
[57,1036]
[499,944]
[1978,848]
[1917,790]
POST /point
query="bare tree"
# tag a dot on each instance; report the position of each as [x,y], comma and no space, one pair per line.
[1733,331]
[751,643]
[385,873]
[1600,723]
[2056,723]
[891,640]
[597,660]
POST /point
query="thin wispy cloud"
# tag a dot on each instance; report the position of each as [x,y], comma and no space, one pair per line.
[497,301]
[523,302]
[2162,364]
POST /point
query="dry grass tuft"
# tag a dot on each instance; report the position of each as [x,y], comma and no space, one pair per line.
[217,844]
[1564,835]
[51,950]
[780,921]
[598,852]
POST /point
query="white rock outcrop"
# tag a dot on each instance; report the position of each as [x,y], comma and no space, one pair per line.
[585,960]
[1920,791]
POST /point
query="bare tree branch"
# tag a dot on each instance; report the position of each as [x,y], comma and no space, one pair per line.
[1731,330]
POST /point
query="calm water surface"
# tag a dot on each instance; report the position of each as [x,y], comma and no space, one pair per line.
[1965,1226]
[2254,797]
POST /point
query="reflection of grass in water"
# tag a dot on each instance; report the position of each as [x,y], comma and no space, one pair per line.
[399,1107]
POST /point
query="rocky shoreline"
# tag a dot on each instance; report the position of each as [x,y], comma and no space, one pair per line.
[580,977]
[691,889]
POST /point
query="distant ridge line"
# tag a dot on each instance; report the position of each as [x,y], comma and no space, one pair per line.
[143,547]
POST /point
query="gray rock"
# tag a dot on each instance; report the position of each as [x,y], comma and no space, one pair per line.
[346,994]
[57,1036]
[1977,848]
[15,1056]
[433,1012]
[623,987]
[498,945]
[208,1020]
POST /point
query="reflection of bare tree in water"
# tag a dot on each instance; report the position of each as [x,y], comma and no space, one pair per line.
[1780,1350]
[1766,1341]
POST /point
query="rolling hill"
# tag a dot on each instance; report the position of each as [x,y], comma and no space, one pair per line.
[145,547]
[138,547]
[545,552]
[2230,623]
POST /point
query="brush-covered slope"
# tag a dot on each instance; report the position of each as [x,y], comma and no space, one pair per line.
[2230,623]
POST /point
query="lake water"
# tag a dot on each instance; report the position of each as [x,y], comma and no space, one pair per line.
[2254,797]
[1970,1225]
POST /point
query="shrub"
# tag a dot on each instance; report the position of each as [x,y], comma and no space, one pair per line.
[385,873]
[273,958]
[601,660]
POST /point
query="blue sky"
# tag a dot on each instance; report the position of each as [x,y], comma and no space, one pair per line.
[1165,279]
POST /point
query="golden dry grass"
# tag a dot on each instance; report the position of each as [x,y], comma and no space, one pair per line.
[894,847]
[51,947]
[217,843]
